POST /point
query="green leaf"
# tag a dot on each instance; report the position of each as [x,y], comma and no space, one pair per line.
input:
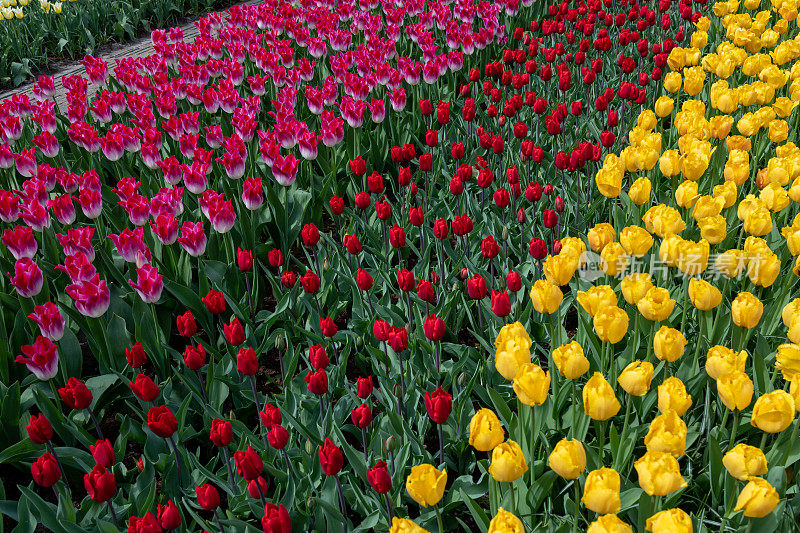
[477,512]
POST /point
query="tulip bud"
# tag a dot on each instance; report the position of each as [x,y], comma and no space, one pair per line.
[280,342]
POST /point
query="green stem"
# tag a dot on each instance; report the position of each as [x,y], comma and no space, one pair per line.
[791,441]
[735,429]
[577,505]
[439,514]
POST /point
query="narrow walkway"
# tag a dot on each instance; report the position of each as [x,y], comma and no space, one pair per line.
[139,47]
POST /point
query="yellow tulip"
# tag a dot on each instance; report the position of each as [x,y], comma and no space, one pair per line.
[568,459]
[615,259]
[508,462]
[599,402]
[609,523]
[721,360]
[763,269]
[664,106]
[659,473]
[773,412]
[425,484]
[794,392]
[559,269]
[636,377]
[404,525]
[637,241]
[669,344]
[669,521]
[570,360]
[746,310]
[600,235]
[743,462]
[757,499]
[673,82]
[635,286]
[788,361]
[485,431]
[703,295]
[672,395]
[667,433]
[546,296]
[596,298]
[601,491]
[639,193]
[656,304]
[713,229]
[611,324]
[505,522]
[735,389]
[730,263]
[531,384]
[512,354]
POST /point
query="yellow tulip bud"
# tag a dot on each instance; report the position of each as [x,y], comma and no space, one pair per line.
[601,491]
[670,521]
[730,263]
[611,324]
[599,402]
[568,459]
[570,360]
[686,194]
[505,522]
[656,304]
[735,389]
[512,350]
[669,344]
[763,269]
[773,412]
[531,384]
[703,295]
[508,462]
[664,106]
[713,229]
[744,461]
[673,82]
[792,236]
[639,193]
[659,473]
[746,310]
[757,499]
[790,311]
[758,222]
[636,377]
[778,131]
[672,395]
[721,126]
[425,484]
[485,431]
[546,296]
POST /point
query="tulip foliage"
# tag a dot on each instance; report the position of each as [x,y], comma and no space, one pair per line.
[412,266]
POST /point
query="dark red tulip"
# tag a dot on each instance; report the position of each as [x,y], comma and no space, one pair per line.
[439,404]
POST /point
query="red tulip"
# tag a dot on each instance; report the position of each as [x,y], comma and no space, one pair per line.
[234,332]
[330,458]
[186,324]
[221,433]
[439,404]
[476,287]
[100,484]
[318,357]
[310,282]
[207,497]
[276,519]
[379,478]
[45,471]
[103,452]
[214,302]
[244,260]
[39,430]
[194,357]
[169,516]
[364,387]
[247,362]
[161,421]
[328,326]
[501,304]
[144,388]
[75,394]
[278,437]
[135,355]
[434,328]
[317,382]
[248,463]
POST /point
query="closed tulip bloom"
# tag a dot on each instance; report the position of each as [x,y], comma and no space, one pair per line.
[531,384]
[601,491]
[635,286]
[546,296]
[361,416]
[161,421]
[512,350]
[570,360]
[379,478]
[596,298]
[773,412]
[508,462]
[248,463]
[100,484]
[45,471]
[744,462]
[505,522]
[746,310]
[404,525]
[672,395]
[636,377]
[669,344]
[656,304]
[611,324]
[659,473]
[438,404]
[703,295]
[788,361]
[639,192]
[609,523]
[485,431]
[425,484]
[599,402]
[637,241]
[757,499]
[330,458]
[207,496]
[501,303]
[568,459]
[735,389]
[670,521]
[103,453]
[559,269]
[667,434]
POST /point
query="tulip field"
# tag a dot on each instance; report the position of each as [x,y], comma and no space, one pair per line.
[411,266]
